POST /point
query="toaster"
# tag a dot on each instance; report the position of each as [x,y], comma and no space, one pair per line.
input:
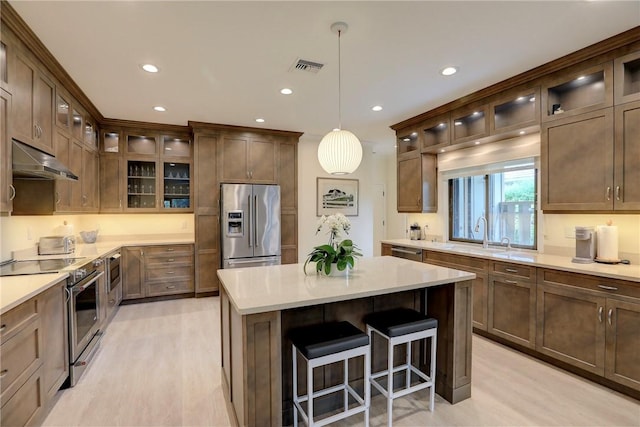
[55,245]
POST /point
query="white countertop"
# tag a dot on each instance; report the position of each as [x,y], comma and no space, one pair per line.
[15,290]
[279,287]
[616,271]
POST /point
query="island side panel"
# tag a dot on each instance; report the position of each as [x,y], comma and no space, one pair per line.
[451,305]
[252,365]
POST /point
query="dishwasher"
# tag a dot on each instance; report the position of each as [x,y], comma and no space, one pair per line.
[407,253]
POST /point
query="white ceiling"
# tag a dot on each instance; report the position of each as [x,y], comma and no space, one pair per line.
[225,62]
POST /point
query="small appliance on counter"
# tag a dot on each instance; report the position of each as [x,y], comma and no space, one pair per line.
[585,245]
[56,245]
[415,232]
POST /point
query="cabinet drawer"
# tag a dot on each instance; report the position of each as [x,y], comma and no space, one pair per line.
[463,262]
[169,288]
[168,260]
[515,270]
[11,321]
[21,356]
[26,406]
[168,250]
[169,273]
[612,287]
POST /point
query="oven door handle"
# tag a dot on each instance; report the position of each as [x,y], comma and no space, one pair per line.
[79,288]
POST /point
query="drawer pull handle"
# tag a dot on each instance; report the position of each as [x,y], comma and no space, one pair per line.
[609,315]
[170,249]
[511,282]
[4,372]
[3,327]
[608,288]
[171,272]
[511,270]
[600,310]
[170,260]
[171,287]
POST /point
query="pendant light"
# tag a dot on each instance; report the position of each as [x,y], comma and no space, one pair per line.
[340,151]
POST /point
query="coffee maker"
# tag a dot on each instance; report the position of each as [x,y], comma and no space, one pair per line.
[585,245]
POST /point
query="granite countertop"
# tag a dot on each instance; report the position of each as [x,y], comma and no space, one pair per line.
[15,290]
[614,271]
[279,287]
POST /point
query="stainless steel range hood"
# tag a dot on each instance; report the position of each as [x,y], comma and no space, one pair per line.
[31,163]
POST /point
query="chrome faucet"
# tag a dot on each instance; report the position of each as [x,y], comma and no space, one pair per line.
[485,239]
[508,248]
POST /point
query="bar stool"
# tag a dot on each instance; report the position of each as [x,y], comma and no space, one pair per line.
[325,344]
[403,326]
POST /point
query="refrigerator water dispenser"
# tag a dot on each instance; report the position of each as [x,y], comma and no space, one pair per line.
[235,224]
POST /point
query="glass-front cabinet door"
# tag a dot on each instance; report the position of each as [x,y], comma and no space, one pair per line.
[141,184]
[177,191]
[176,147]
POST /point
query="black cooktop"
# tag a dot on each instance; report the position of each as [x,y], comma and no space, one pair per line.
[42,266]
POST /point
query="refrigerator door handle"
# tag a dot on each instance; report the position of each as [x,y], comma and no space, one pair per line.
[255,220]
[250,222]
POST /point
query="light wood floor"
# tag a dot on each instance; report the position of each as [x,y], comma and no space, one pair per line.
[159,365]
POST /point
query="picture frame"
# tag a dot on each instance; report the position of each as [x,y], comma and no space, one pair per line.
[335,195]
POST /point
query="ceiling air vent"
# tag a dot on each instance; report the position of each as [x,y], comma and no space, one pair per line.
[307,66]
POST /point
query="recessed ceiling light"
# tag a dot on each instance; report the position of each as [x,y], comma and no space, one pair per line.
[159,108]
[448,71]
[457,123]
[522,132]
[286,91]
[477,142]
[260,120]
[150,68]
[377,108]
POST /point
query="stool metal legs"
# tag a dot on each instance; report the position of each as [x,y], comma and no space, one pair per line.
[343,356]
[428,381]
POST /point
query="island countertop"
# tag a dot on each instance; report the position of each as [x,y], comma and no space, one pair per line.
[264,289]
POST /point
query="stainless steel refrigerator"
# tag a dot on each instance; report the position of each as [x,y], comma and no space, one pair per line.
[250,225]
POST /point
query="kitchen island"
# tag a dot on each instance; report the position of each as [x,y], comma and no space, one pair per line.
[260,305]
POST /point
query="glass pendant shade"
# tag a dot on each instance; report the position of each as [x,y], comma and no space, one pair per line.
[340,152]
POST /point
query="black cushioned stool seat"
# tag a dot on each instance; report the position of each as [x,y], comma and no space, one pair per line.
[400,321]
[327,338]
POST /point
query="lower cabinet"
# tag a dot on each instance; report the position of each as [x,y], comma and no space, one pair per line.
[511,303]
[151,271]
[591,323]
[478,266]
[34,354]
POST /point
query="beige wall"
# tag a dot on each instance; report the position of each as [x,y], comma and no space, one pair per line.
[23,232]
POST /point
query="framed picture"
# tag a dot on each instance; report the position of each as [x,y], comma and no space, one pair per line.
[337,195]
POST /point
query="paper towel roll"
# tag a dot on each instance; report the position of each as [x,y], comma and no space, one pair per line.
[608,242]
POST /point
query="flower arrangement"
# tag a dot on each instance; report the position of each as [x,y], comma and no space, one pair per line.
[339,251]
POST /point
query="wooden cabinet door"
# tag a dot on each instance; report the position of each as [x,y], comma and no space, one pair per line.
[511,310]
[63,186]
[577,162]
[627,157]
[43,112]
[133,272]
[571,326]
[75,164]
[90,170]
[233,159]
[623,342]
[55,338]
[23,121]
[409,185]
[207,260]
[480,287]
[7,192]
[262,161]
[111,176]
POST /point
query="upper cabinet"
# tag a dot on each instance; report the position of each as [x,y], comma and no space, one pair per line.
[249,158]
[436,134]
[626,191]
[627,78]
[417,184]
[7,191]
[408,142]
[33,104]
[470,123]
[577,91]
[515,111]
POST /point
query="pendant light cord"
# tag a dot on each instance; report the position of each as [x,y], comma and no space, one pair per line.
[339,83]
